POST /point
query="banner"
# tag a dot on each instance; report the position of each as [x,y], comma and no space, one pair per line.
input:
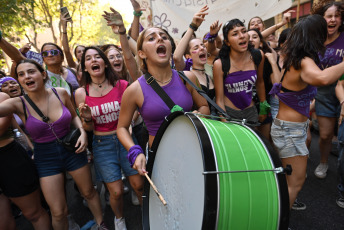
[176,15]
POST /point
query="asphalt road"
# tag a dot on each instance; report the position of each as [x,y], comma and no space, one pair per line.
[319,195]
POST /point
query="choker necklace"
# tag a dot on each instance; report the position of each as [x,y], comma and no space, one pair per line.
[198,69]
[99,84]
[164,82]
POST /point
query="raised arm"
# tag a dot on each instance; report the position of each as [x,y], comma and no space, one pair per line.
[211,37]
[69,56]
[272,29]
[197,20]
[114,19]
[10,50]
[135,25]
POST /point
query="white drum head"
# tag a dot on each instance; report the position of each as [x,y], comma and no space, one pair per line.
[177,173]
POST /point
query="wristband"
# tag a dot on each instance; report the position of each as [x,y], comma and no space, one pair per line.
[122,33]
[137,14]
[193,26]
[340,79]
[133,152]
[264,108]
[0,35]
[210,38]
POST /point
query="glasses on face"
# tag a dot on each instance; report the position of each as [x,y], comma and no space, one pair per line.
[51,52]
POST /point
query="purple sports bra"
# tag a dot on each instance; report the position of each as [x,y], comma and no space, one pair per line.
[238,87]
[41,132]
[297,100]
[154,109]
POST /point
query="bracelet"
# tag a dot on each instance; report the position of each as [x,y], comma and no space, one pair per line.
[210,38]
[87,121]
[137,14]
[133,152]
[122,33]
[193,26]
[0,35]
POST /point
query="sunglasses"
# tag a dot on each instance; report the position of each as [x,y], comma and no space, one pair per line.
[51,52]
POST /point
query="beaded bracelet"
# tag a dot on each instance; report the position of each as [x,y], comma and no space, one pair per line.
[193,26]
[137,14]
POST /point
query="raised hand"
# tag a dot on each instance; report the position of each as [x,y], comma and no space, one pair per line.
[65,19]
[85,111]
[136,6]
[215,27]
[114,18]
[198,18]
[287,16]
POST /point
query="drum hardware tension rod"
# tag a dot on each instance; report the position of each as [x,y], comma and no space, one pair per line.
[287,170]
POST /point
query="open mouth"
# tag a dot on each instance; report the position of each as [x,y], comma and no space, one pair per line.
[30,83]
[331,26]
[13,91]
[161,51]
[117,65]
[95,67]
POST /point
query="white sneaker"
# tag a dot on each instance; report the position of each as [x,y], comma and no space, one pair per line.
[321,170]
[120,224]
[134,198]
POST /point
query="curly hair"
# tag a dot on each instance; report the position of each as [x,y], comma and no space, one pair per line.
[323,5]
[305,40]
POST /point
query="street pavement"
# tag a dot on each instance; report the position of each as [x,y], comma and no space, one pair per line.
[319,195]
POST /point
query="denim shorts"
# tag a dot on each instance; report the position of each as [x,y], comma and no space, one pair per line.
[290,138]
[52,158]
[327,107]
[109,158]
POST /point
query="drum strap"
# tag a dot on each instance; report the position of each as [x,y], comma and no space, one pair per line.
[204,94]
[163,95]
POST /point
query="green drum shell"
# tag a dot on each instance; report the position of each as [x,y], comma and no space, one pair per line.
[247,200]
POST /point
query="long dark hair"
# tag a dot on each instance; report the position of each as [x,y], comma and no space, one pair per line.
[110,73]
[306,39]
[225,49]
[322,6]
[265,47]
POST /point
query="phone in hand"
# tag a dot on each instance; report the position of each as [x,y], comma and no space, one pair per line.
[64,10]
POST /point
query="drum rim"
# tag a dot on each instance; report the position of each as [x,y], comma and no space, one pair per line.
[211,203]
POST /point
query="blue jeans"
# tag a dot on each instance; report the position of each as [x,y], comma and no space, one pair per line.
[109,158]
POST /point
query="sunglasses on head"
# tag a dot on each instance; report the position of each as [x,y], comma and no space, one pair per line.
[51,52]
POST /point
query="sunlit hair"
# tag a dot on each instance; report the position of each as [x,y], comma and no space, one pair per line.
[306,39]
[322,6]
[249,23]
[38,66]
[264,47]
[140,39]
[57,47]
[110,73]
[124,74]
[76,47]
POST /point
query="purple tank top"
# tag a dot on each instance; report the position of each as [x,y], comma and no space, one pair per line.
[297,100]
[238,87]
[41,132]
[154,109]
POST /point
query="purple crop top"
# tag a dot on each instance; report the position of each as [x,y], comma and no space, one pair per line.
[154,109]
[297,100]
[41,132]
[238,87]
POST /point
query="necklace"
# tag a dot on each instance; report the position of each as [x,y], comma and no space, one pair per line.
[164,82]
[99,84]
[101,89]
[198,69]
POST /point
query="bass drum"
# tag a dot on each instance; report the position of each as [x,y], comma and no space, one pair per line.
[184,148]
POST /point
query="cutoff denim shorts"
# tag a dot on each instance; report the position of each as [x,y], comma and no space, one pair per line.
[327,107]
[109,158]
[52,158]
[290,138]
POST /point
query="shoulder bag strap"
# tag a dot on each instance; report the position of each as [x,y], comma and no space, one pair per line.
[38,111]
[157,88]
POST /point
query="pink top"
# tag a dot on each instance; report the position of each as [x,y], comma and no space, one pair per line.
[105,109]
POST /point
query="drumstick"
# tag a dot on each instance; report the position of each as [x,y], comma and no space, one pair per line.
[156,190]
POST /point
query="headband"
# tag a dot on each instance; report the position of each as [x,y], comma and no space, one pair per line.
[4,79]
